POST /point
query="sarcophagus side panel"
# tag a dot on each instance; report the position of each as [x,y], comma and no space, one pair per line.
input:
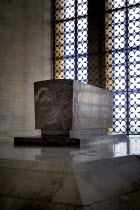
[53,104]
[92,107]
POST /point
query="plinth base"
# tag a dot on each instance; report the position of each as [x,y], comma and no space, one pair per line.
[47,141]
[76,138]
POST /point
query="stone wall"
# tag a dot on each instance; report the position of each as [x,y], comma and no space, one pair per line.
[25,57]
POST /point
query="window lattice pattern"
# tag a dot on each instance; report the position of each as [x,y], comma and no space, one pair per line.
[70,50]
[123,62]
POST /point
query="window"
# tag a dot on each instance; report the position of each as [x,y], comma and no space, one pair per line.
[70,33]
[102,49]
[123,63]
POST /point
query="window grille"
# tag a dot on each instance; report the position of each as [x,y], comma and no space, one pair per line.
[71,39]
[123,63]
[117,63]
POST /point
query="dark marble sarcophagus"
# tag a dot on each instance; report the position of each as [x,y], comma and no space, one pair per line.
[70,113]
[66,106]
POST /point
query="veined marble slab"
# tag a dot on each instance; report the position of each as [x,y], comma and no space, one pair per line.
[53,104]
[69,105]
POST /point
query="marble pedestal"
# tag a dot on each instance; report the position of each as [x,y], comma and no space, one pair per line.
[67,111]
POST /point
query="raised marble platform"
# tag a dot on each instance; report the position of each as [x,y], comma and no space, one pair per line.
[69,112]
[66,140]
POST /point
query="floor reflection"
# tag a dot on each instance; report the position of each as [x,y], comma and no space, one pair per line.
[97,151]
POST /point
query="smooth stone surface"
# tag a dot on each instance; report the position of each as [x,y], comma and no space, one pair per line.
[53,104]
[101,177]
[81,139]
[121,167]
[20,133]
[45,133]
[70,105]
[70,178]
[92,135]
[52,140]
[129,201]
[25,57]
[92,107]
[88,151]
[86,133]
[10,203]
[30,184]
[88,185]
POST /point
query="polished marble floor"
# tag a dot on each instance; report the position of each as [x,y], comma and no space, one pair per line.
[101,175]
[102,150]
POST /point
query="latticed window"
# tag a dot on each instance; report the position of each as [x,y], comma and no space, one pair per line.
[70,32]
[98,42]
[123,62]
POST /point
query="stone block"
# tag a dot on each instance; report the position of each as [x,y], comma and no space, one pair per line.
[71,105]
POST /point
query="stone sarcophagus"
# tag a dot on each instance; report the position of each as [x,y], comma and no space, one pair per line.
[67,106]
[70,113]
